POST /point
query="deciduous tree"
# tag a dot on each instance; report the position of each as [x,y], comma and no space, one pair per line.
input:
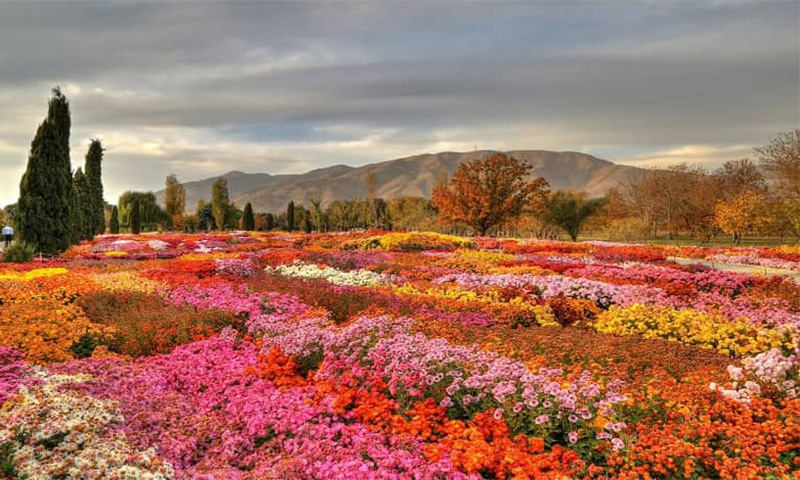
[570,210]
[220,203]
[747,213]
[174,199]
[781,158]
[151,215]
[487,192]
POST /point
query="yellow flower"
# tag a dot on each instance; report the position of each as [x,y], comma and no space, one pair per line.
[32,274]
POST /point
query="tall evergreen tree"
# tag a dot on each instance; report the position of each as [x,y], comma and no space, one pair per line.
[290,216]
[306,224]
[46,196]
[136,217]
[269,222]
[248,221]
[113,223]
[220,203]
[83,214]
[95,220]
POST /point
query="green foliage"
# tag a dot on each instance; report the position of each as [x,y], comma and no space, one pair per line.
[570,210]
[290,216]
[94,216]
[342,215]
[85,345]
[191,223]
[412,213]
[269,222]
[46,198]
[19,252]
[306,224]
[248,221]
[151,215]
[136,217]
[85,208]
[7,467]
[205,216]
[113,224]
[8,215]
[174,197]
[316,214]
[221,207]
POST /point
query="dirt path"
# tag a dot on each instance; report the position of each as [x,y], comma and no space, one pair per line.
[738,267]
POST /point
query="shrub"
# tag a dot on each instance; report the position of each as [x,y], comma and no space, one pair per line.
[19,252]
[145,326]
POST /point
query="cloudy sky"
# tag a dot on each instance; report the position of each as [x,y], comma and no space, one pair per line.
[203,88]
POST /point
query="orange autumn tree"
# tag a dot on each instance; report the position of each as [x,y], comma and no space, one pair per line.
[485,193]
[743,214]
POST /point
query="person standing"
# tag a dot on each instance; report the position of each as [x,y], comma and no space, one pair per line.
[8,234]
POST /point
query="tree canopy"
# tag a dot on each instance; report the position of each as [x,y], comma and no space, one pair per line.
[487,192]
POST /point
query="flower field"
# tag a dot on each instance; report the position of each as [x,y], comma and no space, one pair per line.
[381,355]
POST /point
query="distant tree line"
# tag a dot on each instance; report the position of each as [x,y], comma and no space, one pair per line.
[496,195]
[220,213]
[757,197]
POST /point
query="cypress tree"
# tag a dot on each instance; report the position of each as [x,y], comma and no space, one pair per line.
[95,220]
[248,221]
[290,216]
[136,217]
[306,224]
[46,198]
[113,223]
[269,222]
[83,226]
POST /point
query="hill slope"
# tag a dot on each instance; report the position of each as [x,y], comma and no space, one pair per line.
[415,175]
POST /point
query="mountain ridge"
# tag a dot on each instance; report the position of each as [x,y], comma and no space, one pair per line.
[414,175]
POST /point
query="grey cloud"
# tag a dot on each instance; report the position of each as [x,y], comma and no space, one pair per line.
[614,76]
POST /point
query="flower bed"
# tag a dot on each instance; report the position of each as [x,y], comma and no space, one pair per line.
[396,355]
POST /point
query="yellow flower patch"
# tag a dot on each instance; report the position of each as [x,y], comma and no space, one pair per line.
[692,327]
[33,274]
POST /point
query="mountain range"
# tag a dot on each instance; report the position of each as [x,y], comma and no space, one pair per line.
[410,176]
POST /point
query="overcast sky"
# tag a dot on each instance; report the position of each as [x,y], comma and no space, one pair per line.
[203,88]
